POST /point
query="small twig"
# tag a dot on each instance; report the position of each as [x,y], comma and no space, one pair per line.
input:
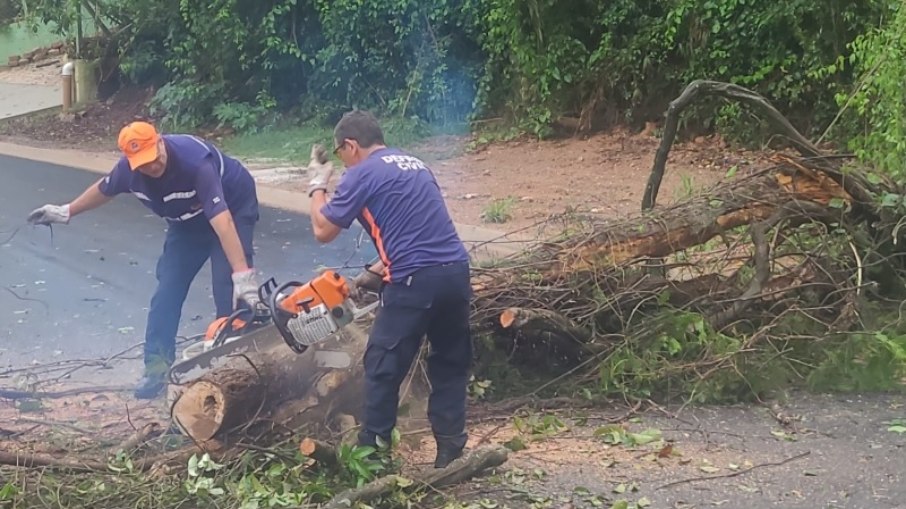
[12,394]
[129,418]
[138,438]
[266,450]
[55,424]
[8,434]
[27,299]
[12,236]
[734,474]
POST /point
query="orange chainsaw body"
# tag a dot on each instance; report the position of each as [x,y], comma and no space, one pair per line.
[215,327]
[329,289]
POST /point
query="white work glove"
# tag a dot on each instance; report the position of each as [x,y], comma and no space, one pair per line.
[319,170]
[245,288]
[49,214]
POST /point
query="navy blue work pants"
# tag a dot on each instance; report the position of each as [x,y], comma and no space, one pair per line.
[186,248]
[435,301]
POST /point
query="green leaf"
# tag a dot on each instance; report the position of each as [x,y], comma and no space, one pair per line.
[897,428]
[515,444]
[643,502]
[645,437]
[836,203]
[8,492]
[620,504]
[193,466]
[890,200]
[363,452]
[732,171]
[621,488]
[403,482]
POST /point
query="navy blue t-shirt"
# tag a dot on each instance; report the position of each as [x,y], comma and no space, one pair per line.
[199,179]
[399,203]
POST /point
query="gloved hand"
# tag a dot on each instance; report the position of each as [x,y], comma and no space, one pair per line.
[245,288]
[49,214]
[369,281]
[320,169]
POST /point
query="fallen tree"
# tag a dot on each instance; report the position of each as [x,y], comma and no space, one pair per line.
[783,252]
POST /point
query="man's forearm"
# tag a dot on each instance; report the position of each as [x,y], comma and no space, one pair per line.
[226,231]
[91,198]
[324,230]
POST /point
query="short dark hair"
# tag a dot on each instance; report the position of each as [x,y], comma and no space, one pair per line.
[361,126]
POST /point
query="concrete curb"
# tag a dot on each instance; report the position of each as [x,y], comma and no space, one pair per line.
[483,242]
[58,107]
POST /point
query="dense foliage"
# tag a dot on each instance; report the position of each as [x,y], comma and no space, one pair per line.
[526,62]
[9,11]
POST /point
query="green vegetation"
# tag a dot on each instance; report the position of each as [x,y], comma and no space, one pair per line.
[17,38]
[291,142]
[450,62]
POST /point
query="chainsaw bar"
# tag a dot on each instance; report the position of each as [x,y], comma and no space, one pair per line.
[263,339]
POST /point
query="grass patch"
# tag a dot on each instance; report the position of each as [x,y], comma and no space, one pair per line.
[286,143]
[291,142]
[499,211]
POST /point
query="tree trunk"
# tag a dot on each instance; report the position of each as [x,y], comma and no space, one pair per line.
[277,385]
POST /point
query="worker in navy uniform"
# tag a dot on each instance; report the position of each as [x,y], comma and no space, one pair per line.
[210,203]
[426,284]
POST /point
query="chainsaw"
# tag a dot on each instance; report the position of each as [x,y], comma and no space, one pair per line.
[303,314]
[307,314]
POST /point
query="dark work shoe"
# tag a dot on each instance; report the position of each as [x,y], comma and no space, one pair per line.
[446,455]
[150,387]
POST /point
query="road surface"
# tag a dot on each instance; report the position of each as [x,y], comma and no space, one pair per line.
[93,280]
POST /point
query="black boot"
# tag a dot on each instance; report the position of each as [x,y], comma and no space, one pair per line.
[445,456]
[150,387]
[449,448]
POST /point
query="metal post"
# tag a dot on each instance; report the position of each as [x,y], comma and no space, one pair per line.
[67,86]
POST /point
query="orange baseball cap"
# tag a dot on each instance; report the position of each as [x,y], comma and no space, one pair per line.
[138,141]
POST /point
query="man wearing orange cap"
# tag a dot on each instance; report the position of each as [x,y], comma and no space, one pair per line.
[211,206]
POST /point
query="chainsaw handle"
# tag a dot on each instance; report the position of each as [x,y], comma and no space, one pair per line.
[266,290]
[281,316]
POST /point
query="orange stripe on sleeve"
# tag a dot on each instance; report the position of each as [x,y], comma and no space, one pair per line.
[378,241]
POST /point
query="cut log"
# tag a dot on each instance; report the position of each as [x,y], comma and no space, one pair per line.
[277,385]
[322,452]
[224,399]
[542,320]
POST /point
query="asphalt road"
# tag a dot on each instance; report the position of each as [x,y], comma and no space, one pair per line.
[93,280]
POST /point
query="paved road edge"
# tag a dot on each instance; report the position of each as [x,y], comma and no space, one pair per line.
[484,242]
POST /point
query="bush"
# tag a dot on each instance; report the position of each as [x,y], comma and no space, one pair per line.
[530,62]
[9,11]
